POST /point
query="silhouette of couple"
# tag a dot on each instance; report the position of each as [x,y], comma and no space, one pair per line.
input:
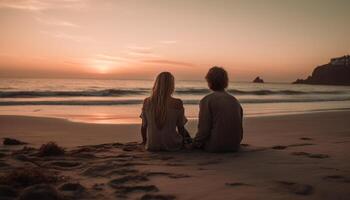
[219,123]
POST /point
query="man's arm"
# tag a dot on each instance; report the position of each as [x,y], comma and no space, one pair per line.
[204,124]
[241,122]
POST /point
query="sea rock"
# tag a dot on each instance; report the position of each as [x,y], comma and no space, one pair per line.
[258,80]
[11,141]
[336,72]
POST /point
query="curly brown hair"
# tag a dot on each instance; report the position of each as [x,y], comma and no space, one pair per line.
[217,78]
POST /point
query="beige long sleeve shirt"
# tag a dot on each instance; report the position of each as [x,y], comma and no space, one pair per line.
[220,126]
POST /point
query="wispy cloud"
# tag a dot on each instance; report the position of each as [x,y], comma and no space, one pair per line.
[141,54]
[169,62]
[76,38]
[66,36]
[56,22]
[30,5]
[40,5]
[141,51]
[111,58]
[168,41]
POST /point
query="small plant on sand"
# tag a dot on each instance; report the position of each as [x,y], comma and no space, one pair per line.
[51,149]
[24,177]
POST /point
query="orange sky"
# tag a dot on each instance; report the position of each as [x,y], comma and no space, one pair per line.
[135,39]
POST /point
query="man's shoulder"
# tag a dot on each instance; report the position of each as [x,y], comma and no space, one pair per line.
[207,97]
[218,95]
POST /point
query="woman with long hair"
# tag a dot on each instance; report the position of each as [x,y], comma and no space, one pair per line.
[161,115]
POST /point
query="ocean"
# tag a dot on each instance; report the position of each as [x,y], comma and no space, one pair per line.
[120,101]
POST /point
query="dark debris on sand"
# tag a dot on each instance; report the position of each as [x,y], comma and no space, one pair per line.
[310,155]
[279,147]
[157,197]
[40,192]
[115,183]
[50,149]
[123,191]
[296,188]
[24,177]
[282,147]
[339,178]
[31,183]
[24,150]
[236,184]
[7,192]
[11,141]
[305,138]
[72,187]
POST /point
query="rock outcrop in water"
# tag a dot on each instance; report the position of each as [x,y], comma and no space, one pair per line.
[336,72]
[258,80]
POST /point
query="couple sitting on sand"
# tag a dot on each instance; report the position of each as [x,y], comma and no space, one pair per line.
[219,124]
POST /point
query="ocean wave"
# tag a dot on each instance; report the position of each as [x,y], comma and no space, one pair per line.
[139,102]
[141,91]
[86,93]
[256,92]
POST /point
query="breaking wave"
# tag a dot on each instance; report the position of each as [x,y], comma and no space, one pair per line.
[134,92]
[139,101]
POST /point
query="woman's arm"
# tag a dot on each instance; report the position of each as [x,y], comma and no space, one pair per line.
[144,134]
[144,123]
[182,131]
[181,121]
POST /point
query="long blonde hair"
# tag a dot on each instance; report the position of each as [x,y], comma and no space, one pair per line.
[162,90]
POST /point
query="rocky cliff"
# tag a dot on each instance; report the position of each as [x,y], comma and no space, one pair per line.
[336,72]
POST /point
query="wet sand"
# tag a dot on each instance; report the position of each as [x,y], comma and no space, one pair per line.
[282,157]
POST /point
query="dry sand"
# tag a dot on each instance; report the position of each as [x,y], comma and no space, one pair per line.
[302,156]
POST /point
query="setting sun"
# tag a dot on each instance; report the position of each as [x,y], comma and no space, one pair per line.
[103,66]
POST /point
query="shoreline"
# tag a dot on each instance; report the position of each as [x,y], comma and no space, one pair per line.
[46,129]
[282,157]
[88,119]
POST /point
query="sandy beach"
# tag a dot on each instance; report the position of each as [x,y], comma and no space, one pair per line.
[282,157]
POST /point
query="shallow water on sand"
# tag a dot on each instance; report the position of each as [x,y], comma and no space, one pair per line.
[119,101]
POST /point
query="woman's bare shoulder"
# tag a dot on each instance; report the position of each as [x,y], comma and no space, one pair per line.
[176,103]
[146,101]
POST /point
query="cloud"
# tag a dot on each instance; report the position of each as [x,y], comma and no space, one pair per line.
[111,58]
[56,22]
[62,35]
[72,62]
[30,5]
[168,41]
[40,5]
[140,49]
[141,54]
[76,38]
[169,62]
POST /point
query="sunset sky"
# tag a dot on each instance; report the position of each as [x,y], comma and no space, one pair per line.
[280,40]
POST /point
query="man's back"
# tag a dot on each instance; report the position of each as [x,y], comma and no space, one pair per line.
[220,123]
